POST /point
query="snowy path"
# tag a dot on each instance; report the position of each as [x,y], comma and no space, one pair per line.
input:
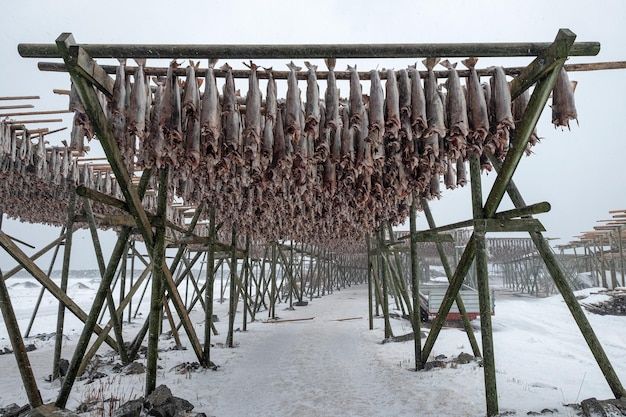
[306,367]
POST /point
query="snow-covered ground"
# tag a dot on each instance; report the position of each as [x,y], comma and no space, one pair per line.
[332,364]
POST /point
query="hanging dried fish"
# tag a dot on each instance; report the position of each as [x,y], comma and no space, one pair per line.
[419,119]
[456,111]
[563,103]
[407,144]
[252,131]
[292,108]
[478,115]
[139,95]
[392,112]
[501,109]
[434,106]
[171,121]
[117,109]
[280,161]
[231,123]
[151,152]
[376,118]
[211,114]
[191,111]
[270,121]
[312,107]
[346,169]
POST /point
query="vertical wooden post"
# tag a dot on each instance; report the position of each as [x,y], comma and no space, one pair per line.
[132,276]
[246,273]
[415,285]
[158,278]
[67,252]
[272,309]
[233,296]
[385,292]
[482,278]
[370,295]
[17,343]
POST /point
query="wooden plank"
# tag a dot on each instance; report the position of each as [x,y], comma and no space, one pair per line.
[17,106]
[287,320]
[322,75]
[510,225]
[294,51]
[20,98]
[35,113]
[24,122]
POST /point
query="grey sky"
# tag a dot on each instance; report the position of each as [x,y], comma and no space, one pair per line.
[578,172]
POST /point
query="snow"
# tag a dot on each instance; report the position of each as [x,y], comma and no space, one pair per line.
[325,361]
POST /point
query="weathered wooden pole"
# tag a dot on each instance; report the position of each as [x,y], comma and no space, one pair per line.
[286,51]
[158,278]
[65,271]
[208,291]
[370,295]
[244,286]
[132,276]
[17,343]
[385,290]
[233,296]
[415,285]
[482,278]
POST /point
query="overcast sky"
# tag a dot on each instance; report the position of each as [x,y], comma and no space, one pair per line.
[580,172]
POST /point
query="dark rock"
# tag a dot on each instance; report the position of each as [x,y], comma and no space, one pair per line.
[593,408]
[301,303]
[164,410]
[161,395]
[440,357]
[464,358]
[161,403]
[130,409]
[133,368]
[30,347]
[13,410]
[64,365]
[183,405]
[49,410]
[429,366]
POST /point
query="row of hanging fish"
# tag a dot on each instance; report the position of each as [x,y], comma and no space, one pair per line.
[36,179]
[312,162]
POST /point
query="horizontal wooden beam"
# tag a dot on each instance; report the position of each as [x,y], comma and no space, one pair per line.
[509,225]
[323,75]
[310,51]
